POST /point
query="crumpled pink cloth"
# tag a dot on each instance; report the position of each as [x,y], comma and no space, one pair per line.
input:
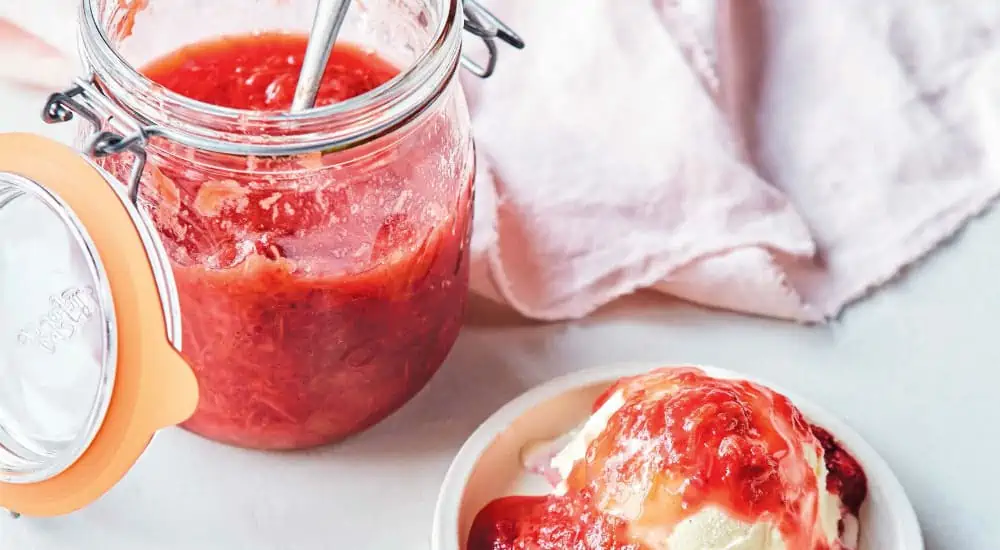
[612,159]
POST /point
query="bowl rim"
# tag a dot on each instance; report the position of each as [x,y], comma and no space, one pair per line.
[446,511]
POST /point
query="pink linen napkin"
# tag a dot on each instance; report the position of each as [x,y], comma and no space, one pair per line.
[646,144]
[877,136]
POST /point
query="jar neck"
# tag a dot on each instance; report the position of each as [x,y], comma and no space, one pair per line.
[338,126]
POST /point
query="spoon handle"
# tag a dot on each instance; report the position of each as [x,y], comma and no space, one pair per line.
[330,16]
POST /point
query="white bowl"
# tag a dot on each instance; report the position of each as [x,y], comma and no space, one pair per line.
[489,465]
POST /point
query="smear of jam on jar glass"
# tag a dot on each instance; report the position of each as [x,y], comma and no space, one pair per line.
[317,296]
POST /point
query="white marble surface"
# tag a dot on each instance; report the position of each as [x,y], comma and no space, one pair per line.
[915,370]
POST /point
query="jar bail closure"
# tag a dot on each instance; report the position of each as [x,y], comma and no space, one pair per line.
[480,22]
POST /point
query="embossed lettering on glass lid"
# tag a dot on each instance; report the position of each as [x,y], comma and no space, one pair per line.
[57,338]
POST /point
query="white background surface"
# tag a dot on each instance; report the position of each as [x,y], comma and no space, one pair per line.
[915,370]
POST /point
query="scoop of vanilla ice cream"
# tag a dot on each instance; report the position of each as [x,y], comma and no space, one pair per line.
[711,528]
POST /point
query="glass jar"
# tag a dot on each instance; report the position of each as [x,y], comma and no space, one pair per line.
[320,257]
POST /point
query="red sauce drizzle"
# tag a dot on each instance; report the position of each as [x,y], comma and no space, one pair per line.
[548,523]
[682,441]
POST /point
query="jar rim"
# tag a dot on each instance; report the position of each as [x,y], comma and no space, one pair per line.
[342,125]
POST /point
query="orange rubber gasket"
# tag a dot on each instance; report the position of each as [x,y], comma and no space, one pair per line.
[154,387]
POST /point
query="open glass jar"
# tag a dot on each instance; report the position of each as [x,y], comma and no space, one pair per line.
[310,269]
[320,257]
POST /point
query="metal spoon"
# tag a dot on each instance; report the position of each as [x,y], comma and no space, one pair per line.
[330,16]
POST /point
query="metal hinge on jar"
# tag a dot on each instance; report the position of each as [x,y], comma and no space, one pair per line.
[86,100]
[480,22]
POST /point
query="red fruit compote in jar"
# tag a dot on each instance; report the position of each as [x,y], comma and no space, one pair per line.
[318,292]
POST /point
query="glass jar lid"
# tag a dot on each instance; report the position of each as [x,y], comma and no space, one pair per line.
[89,335]
[59,350]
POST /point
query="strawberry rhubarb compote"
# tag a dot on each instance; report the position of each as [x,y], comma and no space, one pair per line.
[318,292]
